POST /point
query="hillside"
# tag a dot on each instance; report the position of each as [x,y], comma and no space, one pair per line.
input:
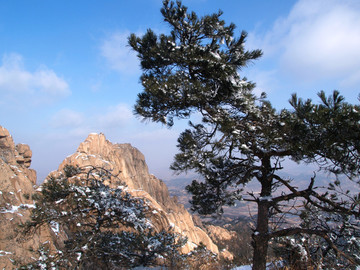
[17,185]
[17,182]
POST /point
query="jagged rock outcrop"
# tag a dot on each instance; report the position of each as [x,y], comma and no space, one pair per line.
[221,235]
[16,187]
[24,154]
[17,184]
[129,165]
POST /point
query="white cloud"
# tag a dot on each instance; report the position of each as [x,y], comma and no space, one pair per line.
[67,118]
[48,82]
[68,123]
[152,133]
[115,116]
[317,40]
[265,80]
[42,85]
[119,55]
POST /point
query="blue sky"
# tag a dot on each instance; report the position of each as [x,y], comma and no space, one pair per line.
[65,69]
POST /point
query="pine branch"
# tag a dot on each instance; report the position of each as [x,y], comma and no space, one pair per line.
[322,233]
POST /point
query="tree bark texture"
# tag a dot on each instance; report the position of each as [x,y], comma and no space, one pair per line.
[260,236]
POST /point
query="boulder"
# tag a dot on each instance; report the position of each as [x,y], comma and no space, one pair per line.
[24,154]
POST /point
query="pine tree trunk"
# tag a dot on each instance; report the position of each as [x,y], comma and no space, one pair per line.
[260,236]
[260,239]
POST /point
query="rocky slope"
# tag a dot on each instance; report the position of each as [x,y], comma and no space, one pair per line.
[128,164]
[16,186]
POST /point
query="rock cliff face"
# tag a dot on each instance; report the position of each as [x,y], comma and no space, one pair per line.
[17,184]
[129,165]
[19,155]
[218,235]
[16,187]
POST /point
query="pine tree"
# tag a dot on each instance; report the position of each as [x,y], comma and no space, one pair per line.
[105,228]
[241,137]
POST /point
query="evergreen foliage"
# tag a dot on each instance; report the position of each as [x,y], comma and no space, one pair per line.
[103,227]
[180,68]
[241,137]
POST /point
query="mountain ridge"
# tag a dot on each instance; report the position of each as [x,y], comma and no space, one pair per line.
[17,184]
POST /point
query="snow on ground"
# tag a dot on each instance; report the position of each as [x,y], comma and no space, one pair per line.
[243,267]
[269,266]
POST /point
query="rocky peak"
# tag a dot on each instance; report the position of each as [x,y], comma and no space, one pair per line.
[24,154]
[7,147]
[16,186]
[19,155]
[128,164]
[124,161]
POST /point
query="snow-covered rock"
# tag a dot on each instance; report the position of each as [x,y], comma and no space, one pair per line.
[128,164]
